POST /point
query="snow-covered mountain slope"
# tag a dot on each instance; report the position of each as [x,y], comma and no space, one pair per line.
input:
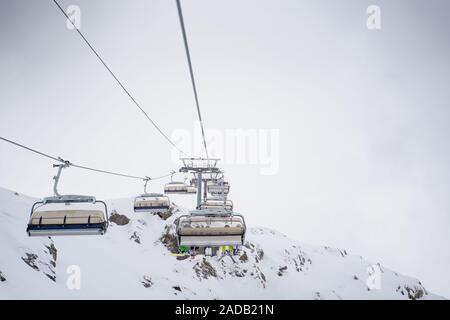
[133,261]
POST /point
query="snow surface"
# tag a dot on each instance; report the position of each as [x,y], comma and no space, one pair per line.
[131,262]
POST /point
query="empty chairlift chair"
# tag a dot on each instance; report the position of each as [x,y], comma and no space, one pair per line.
[71,214]
[209,230]
[178,187]
[68,221]
[175,187]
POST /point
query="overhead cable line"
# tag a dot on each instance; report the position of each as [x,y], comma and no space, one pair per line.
[70,164]
[194,87]
[127,92]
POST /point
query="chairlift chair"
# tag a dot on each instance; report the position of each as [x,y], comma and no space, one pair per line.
[64,222]
[176,187]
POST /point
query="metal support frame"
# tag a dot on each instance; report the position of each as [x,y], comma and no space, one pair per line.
[204,171]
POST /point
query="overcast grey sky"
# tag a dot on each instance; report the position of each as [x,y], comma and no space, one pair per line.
[362,114]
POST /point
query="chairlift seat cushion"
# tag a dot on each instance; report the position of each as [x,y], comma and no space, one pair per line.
[67,217]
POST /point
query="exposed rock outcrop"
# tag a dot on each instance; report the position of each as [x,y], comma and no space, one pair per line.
[119,219]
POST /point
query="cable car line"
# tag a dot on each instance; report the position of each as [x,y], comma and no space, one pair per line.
[118,81]
[194,87]
[68,163]
[213,228]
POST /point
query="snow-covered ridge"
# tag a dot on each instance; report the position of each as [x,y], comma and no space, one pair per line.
[133,260]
